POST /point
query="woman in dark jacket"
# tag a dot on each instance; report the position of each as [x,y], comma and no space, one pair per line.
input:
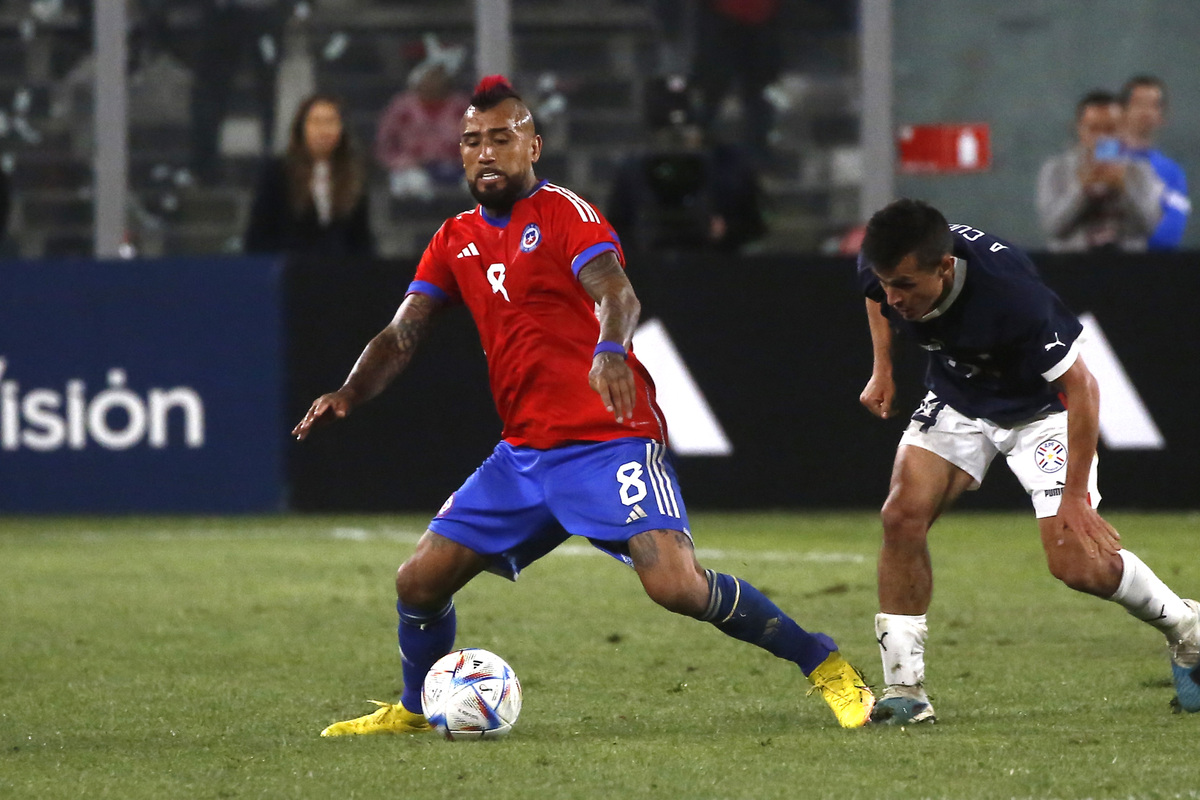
[313,200]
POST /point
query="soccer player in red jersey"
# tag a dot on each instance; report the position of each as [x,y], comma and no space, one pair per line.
[584,443]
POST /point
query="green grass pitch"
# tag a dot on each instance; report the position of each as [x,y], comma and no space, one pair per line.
[199,658]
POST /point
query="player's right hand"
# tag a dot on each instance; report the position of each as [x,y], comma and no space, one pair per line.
[612,379]
[324,409]
[1096,537]
[878,396]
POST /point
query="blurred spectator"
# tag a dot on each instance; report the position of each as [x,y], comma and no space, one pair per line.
[674,34]
[230,31]
[1144,99]
[737,41]
[846,242]
[685,193]
[549,107]
[5,207]
[313,200]
[1095,195]
[417,139]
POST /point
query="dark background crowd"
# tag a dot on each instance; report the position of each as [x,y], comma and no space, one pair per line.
[330,126]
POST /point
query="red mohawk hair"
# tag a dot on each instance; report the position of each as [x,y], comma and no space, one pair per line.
[491,91]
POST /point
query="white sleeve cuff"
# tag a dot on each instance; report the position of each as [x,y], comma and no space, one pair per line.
[1059,369]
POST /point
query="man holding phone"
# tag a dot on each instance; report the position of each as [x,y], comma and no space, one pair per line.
[1094,196]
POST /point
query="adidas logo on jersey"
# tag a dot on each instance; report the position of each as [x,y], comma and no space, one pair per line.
[469,250]
[636,514]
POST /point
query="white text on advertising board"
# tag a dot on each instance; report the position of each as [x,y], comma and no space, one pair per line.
[114,417]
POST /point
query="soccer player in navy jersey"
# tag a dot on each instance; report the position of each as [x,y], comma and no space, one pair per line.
[1003,350]
[583,449]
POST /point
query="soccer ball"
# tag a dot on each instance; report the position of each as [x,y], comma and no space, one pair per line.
[471,694]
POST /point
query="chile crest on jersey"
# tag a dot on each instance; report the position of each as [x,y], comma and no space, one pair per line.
[531,237]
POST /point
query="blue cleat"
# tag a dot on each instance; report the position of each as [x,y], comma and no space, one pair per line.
[1185,665]
[1187,688]
[903,705]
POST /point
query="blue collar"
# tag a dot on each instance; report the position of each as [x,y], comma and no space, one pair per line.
[495,222]
[500,222]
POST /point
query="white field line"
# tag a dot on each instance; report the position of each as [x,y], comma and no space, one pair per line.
[710,553]
[387,534]
[411,536]
[569,549]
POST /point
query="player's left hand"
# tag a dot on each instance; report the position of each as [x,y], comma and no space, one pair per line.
[612,379]
[1095,535]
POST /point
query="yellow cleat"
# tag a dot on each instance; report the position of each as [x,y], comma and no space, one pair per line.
[844,690]
[388,718]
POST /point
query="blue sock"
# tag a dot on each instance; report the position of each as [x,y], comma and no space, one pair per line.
[425,636]
[739,610]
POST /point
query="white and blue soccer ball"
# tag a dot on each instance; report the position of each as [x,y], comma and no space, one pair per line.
[471,694]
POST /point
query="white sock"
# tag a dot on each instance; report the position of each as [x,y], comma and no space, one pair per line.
[1143,595]
[902,646]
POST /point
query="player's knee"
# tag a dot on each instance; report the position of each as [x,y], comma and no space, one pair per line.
[686,595]
[904,522]
[414,589]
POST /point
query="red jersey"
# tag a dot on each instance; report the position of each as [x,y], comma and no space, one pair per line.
[519,278]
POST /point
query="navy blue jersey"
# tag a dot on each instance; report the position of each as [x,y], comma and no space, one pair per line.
[999,337]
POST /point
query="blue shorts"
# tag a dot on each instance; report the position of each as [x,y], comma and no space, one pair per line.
[522,503]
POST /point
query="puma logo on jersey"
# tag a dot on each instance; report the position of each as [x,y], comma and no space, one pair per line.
[1056,343]
[469,250]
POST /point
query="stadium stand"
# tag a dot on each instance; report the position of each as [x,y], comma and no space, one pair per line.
[600,55]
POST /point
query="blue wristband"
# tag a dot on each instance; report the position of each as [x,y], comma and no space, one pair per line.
[610,347]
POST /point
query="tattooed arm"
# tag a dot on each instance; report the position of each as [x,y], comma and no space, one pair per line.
[381,361]
[610,376]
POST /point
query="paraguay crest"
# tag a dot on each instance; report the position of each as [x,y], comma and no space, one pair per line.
[1051,455]
[531,237]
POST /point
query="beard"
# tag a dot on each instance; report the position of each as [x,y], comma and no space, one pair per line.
[498,200]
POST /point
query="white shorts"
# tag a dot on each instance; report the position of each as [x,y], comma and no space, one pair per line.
[1036,450]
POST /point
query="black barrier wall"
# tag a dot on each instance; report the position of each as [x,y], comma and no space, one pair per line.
[412,445]
[777,347]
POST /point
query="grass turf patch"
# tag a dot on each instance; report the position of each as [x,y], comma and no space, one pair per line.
[186,657]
